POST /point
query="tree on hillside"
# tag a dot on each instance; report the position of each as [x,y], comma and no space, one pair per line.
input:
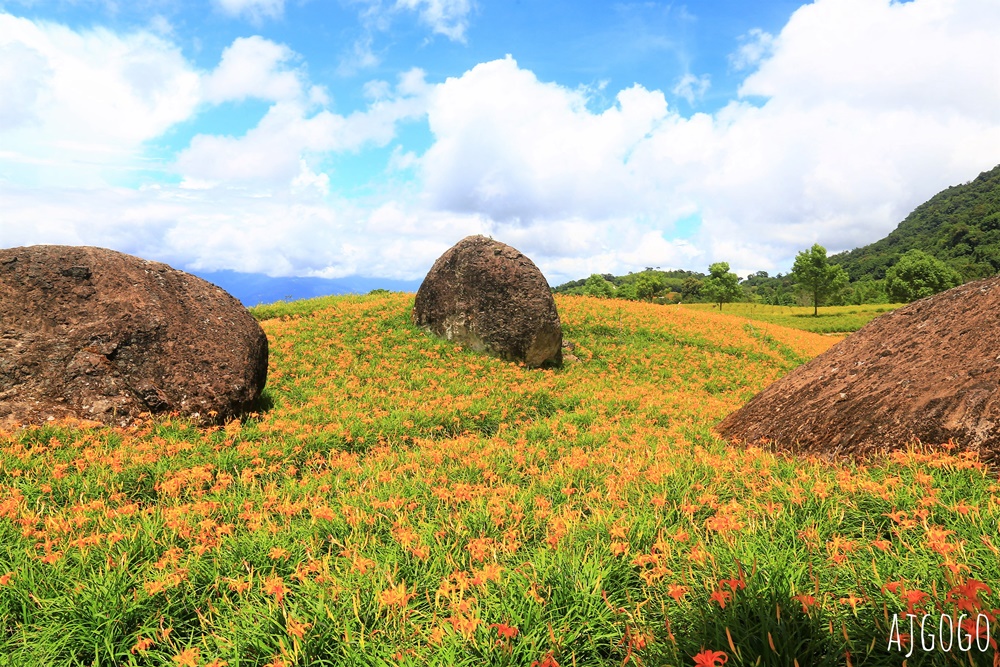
[647,285]
[960,226]
[597,285]
[690,288]
[721,286]
[816,276]
[626,291]
[867,290]
[917,275]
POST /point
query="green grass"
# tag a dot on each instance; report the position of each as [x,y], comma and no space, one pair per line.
[831,319]
[408,502]
[301,307]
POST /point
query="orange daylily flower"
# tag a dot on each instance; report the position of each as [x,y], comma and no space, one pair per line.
[721,597]
[709,658]
[187,658]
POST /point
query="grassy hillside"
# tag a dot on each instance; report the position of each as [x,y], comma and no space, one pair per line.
[959,225]
[407,502]
[831,319]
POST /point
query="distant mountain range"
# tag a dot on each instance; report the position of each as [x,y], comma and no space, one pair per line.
[959,225]
[255,288]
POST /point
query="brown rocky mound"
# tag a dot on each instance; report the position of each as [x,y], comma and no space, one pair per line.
[96,334]
[928,371]
[490,297]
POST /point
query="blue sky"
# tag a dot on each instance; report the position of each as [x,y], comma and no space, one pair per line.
[333,138]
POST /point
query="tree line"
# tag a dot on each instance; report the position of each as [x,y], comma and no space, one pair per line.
[951,238]
[814,280]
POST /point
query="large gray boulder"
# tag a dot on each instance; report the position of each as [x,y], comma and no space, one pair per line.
[96,334]
[927,371]
[489,297]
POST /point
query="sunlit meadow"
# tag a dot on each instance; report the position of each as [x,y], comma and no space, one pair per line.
[829,319]
[401,501]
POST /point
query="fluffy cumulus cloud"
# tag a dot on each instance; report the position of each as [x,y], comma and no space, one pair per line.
[23,72]
[76,103]
[868,109]
[81,107]
[847,118]
[518,149]
[270,155]
[558,180]
[295,232]
[254,67]
[854,114]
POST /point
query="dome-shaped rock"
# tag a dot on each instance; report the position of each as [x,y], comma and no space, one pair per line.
[927,371]
[489,297]
[96,334]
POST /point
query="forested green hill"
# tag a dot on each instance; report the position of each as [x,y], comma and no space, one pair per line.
[959,225]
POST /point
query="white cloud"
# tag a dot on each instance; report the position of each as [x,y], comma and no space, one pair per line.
[377,90]
[865,109]
[873,107]
[401,160]
[652,249]
[516,149]
[255,10]
[308,180]
[77,102]
[691,87]
[267,154]
[854,113]
[925,54]
[445,17]
[755,45]
[161,26]
[270,154]
[360,56]
[254,67]
[23,75]
[295,232]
